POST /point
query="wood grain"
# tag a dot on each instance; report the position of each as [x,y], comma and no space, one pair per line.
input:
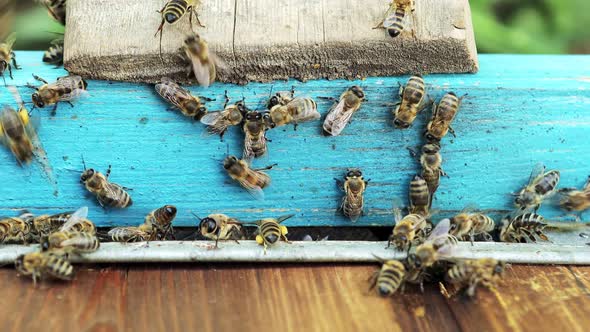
[263,40]
[520,110]
[286,298]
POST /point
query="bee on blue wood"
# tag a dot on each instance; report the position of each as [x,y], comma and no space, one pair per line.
[174,10]
[442,117]
[64,89]
[354,186]
[285,109]
[396,17]
[541,186]
[7,56]
[219,122]
[419,195]
[253,180]
[341,113]
[107,193]
[412,101]
[181,98]
[255,127]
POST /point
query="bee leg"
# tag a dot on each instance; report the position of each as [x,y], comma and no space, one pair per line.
[332,99]
[339,183]
[471,237]
[226,99]
[70,103]
[412,152]
[10,71]
[295,124]
[4,79]
[373,280]
[28,85]
[108,173]
[206,98]
[452,131]
[54,111]
[39,79]
[198,19]
[14,61]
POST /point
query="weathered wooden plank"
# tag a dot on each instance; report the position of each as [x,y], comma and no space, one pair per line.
[264,40]
[520,110]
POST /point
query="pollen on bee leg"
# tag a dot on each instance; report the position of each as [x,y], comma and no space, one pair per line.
[284,230]
[259,239]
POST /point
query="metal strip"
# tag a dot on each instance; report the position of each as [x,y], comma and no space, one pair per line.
[318,252]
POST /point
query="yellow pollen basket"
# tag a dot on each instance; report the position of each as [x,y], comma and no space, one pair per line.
[259,239]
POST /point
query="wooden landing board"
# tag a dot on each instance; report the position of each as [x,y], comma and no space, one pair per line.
[520,110]
[262,40]
[218,297]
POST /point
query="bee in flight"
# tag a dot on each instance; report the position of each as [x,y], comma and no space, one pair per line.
[220,227]
[218,122]
[396,17]
[541,186]
[16,230]
[389,278]
[76,235]
[107,193]
[354,186]
[64,89]
[572,199]
[202,62]
[286,109]
[469,273]
[523,228]
[255,135]
[442,117]
[469,224]
[174,10]
[56,9]
[410,230]
[341,113]
[7,56]
[42,265]
[54,55]
[181,98]
[253,180]
[270,231]
[160,220]
[412,101]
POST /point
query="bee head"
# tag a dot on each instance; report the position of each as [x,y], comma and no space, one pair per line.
[453,227]
[524,199]
[208,224]
[253,116]
[400,240]
[430,137]
[242,107]
[273,101]
[268,120]
[431,148]
[229,161]
[170,210]
[357,91]
[87,174]
[401,124]
[37,100]
[354,173]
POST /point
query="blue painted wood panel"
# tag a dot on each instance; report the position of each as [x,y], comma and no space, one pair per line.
[520,110]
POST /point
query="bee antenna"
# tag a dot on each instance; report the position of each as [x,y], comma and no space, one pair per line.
[194,214]
[83,162]
[227,146]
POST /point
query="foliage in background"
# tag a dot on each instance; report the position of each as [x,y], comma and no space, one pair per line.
[501,26]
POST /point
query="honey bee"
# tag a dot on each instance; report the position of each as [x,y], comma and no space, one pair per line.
[76,235]
[573,199]
[203,63]
[354,187]
[56,9]
[541,186]
[44,225]
[55,53]
[218,122]
[472,272]
[64,89]
[107,193]
[411,102]
[287,109]
[419,195]
[160,220]
[7,56]
[396,17]
[174,10]
[18,134]
[442,116]
[270,231]
[523,228]
[431,162]
[181,98]
[47,264]
[409,230]
[131,234]
[221,227]
[255,135]
[341,113]
[15,230]
[389,278]
[467,224]
[253,180]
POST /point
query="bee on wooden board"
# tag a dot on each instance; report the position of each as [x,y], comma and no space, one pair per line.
[442,117]
[523,228]
[16,230]
[160,220]
[410,230]
[181,98]
[470,273]
[142,233]
[270,231]
[419,196]
[389,278]
[44,265]
[7,56]
[287,109]
[174,10]
[221,227]
[218,122]
[253,180]
[395,20]
[54,55]
[354,186]
[64,89]
[107,193]
[431,162]
[541,185]
[76,235]
[573,199]
[56,9]
[46,224]
[255,135]
[202,62]
[412,101]
[341,113]
[468,224]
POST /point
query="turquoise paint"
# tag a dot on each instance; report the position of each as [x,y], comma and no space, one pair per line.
[520,110]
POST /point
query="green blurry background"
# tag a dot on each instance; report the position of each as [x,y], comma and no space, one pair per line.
[501,26]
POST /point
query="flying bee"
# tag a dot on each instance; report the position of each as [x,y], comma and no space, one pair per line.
[107,193]
[285,109]
[354,186]
[541,186]
[412,101]
[270,231]
[389,278]
[221,227]
[442,116]
[255,135]
[472,272]
[174,10]
[253,180]
[56,9]
[409,230]
[54,55]
[468,224]
[131,234]
[431,162]
[160,220]
[523,228]
[341,113]
[64,89]
[218,122]
[181,98]
[47,264]
[7,56]
[573,199]
[419,196]
[76,235]
[202,62]
[396,17]
[15,230]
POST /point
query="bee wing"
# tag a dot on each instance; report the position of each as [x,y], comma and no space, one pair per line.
[445,243]
[173,93]
[201,71]
[252,187]
[68,83]
[10,40]
[337,118]
[75,218]
[538,171]
[308,110]
[441,229]
[16,95]
[111,192]
[397,209]
[307,237]
[212,118]
[469,208]
[219,63]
